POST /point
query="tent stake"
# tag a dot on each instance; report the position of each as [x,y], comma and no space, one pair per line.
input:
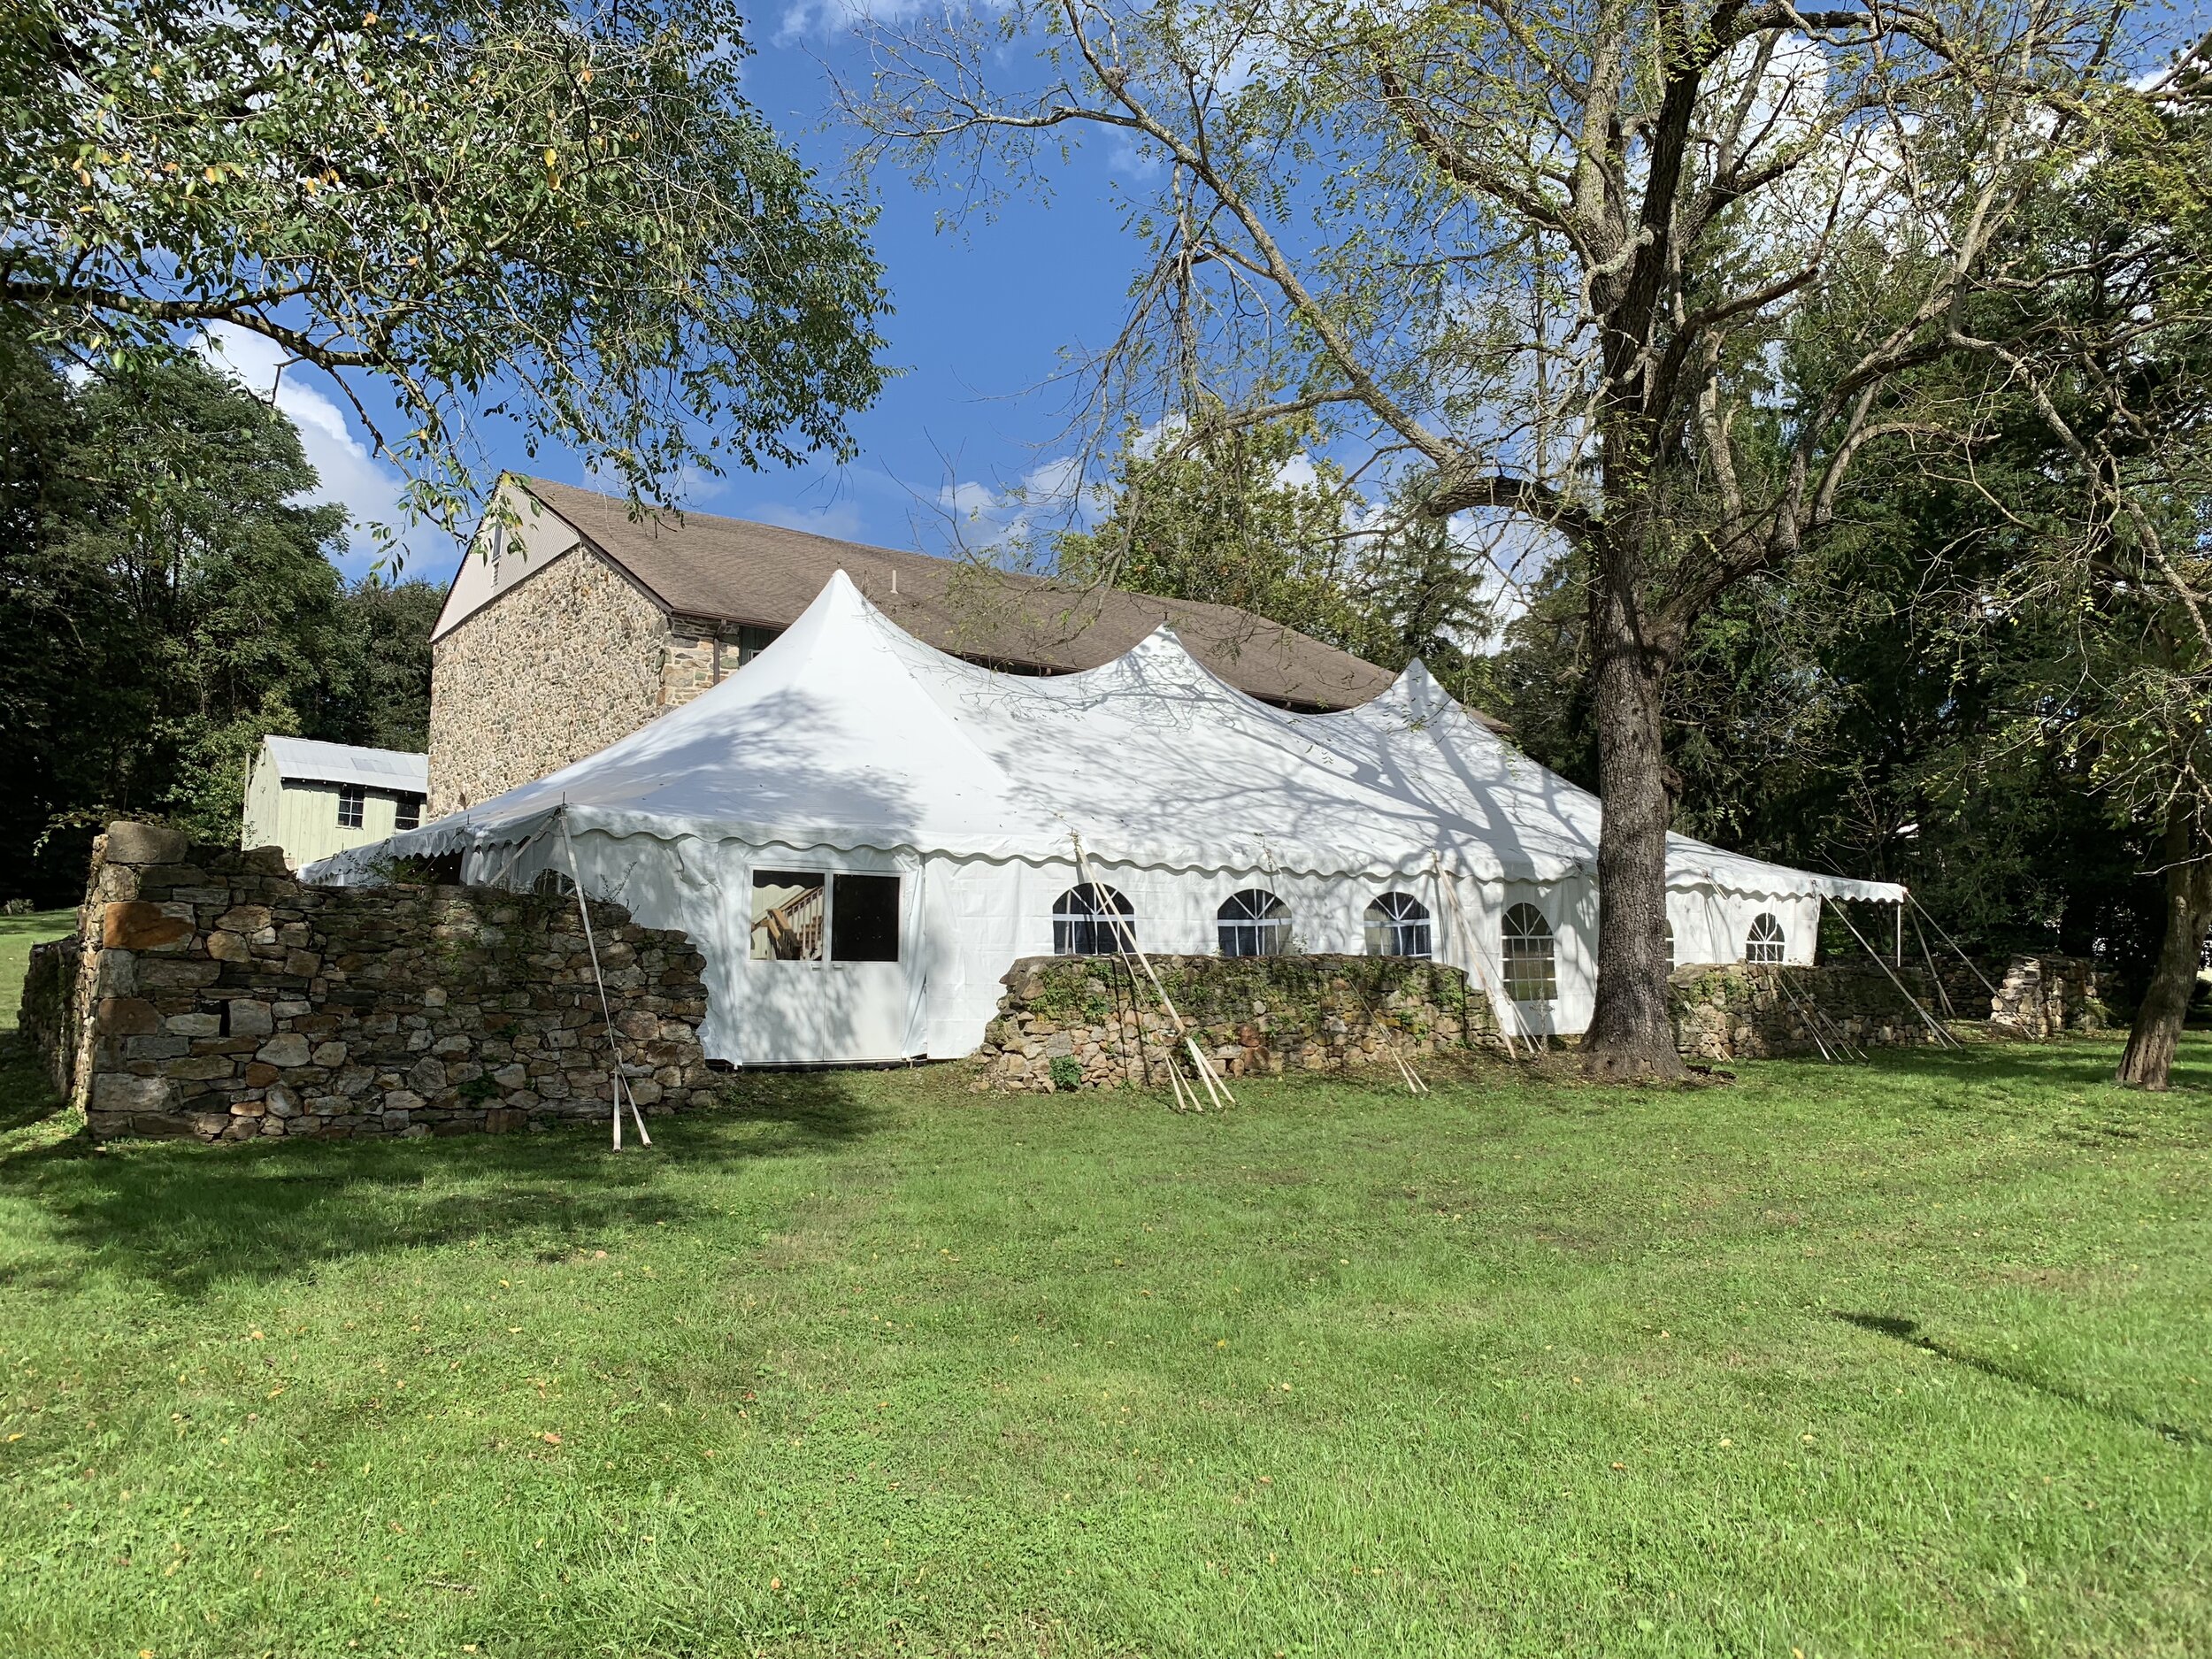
[1954,944]
[1942,1036]
[619,1086]
[1174,1078]
[1125,943]
[1943,997]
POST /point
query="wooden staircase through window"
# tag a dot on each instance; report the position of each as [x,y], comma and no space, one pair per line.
[795,927]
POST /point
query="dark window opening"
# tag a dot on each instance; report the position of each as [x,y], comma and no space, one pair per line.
[352,800]
[865,918]
[789,909]
[408,814]
[752,641]
[1092,920]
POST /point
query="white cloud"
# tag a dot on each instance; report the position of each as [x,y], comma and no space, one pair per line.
[806,19]
[348,472]
[967,500]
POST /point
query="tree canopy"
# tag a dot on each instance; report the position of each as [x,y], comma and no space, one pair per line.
[1542,257]
[566,215]
[165,603]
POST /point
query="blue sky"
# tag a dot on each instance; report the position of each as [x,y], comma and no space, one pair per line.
[983,316]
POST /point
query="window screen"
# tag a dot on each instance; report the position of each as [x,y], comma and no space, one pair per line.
[1765,942]
[789,910]
[1397,925]
[865,918]
[1532,970]
[352,800]
[1253,923]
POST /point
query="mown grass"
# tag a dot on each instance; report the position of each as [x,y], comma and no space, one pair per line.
[18,934]
[1897,1360]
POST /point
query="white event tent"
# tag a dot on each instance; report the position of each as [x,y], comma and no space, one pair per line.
[764,818]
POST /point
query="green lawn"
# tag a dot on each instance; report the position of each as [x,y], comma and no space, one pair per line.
[1908,1359]
[18,934]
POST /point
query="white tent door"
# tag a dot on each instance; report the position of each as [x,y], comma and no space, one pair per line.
[832,974]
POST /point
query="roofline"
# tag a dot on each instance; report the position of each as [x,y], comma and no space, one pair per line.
[720,621]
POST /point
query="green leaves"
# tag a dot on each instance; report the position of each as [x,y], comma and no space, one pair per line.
[570,218]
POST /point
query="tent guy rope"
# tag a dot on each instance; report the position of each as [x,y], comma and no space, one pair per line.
[1936,1027]
[618,1084]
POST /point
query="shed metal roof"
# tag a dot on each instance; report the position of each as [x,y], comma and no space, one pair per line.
[305,760]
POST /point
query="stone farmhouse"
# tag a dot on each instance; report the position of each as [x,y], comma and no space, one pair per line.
[570,625]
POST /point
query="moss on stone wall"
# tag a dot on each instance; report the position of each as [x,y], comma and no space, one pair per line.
[1085,1020]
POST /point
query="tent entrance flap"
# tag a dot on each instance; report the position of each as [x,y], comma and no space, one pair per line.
[828,976]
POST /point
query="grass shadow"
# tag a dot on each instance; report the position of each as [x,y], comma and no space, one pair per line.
[25,1096]
[191,1216]
[1908,1332]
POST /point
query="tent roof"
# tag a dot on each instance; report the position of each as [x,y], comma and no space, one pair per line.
[1418,739]
[847,732]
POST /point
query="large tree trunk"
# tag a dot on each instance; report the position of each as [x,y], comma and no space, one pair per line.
[1631,1034]
[2156,1032]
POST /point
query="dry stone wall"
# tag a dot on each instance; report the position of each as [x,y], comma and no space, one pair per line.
[556,668]
[1079,1022]
[1734,1010]
[2048,996]
[216,997]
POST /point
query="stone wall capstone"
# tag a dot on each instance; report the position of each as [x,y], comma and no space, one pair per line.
[219,998]
[1079,1022]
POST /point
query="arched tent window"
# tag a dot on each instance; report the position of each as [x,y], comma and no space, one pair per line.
[1765,942]
[1253,923]
[553,884]
[1397,925]
[1532,966]
[1674,959]
[1090,919]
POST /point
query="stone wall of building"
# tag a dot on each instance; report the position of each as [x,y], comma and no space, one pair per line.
[692,661]
[1734,1010]
[556,668]
[219,998]
[1079,1022]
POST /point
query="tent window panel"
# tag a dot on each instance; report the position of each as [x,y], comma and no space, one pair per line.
[789,907]
[1532,966]
[1253,923]
[553,884]
[1673,959]
[352,801]
[865,918]
[1092,920]
[1397,925]
[1765,942]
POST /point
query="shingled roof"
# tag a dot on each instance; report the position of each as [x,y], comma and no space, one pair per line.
[729,570]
